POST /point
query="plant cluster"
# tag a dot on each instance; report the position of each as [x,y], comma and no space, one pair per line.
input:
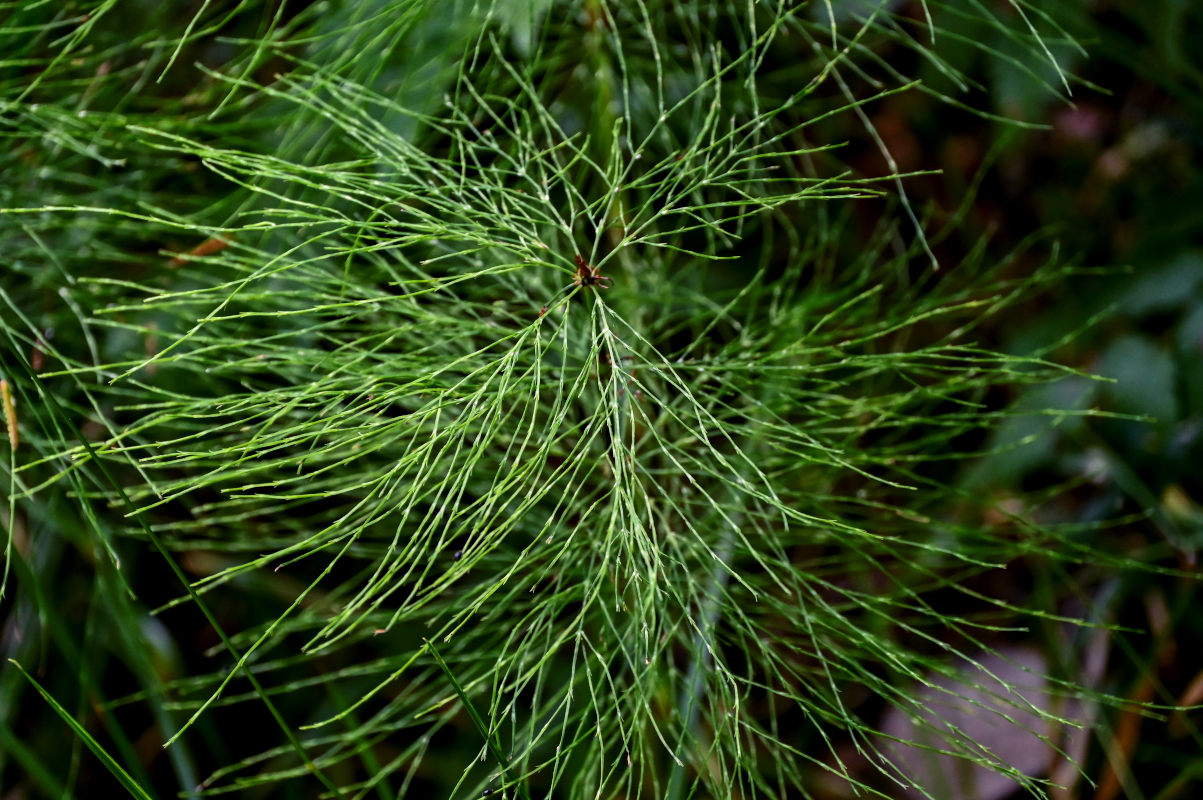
[510,392]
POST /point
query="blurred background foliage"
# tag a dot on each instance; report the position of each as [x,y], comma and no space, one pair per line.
[1111,179]
[1114,180]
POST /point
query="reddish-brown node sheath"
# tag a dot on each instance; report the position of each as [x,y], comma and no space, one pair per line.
[587,275]
[208,247]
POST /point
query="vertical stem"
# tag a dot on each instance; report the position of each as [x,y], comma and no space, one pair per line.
[689,703]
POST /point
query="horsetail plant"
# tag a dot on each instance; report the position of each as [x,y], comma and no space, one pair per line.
[522,399]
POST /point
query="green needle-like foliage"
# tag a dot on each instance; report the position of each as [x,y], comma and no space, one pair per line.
[666,527]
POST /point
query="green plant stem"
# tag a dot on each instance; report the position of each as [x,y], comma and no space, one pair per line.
[689,704]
